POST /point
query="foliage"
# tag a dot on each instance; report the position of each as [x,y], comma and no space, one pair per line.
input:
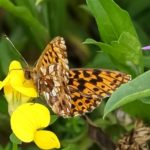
[114,42]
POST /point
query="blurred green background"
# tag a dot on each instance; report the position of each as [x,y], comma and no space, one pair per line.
[31,24]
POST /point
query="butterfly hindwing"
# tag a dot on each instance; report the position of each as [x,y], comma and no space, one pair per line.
[54,88]
[89,86]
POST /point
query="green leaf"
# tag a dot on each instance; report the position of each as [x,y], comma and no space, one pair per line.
[115,131]
[90,41]
[14,139]
[147,61]
[71,147]
[101,60]
[138,109]
[135,89]
[111,20]
[125,53]
[118,33]
[38,31]
[6,55]
[56,16]
[6,147]
[53,118]
[39,1]
[146,100]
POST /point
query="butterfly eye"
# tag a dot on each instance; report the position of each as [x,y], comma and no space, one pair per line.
[27,74]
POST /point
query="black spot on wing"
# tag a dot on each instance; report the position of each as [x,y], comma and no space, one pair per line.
[80,103]
[96,72]
[86,74]
[77,73]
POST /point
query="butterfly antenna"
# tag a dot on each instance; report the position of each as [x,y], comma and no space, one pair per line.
[6,37]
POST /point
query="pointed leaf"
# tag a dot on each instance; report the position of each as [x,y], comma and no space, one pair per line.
[111,19]
[135,89]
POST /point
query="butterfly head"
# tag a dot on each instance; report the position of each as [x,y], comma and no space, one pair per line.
[30,74]
[27,74]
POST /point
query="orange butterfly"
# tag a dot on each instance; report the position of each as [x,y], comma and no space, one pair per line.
[71,92]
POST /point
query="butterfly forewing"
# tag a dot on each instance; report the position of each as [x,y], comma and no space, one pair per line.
[52,77]
[55,52]
[76,91]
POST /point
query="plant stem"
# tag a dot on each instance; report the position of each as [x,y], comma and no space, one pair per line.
[99,136]
[15,146]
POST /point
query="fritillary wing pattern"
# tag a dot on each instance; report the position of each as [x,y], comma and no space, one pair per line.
[76,91]
[51,74]
[88,87]
[54,53]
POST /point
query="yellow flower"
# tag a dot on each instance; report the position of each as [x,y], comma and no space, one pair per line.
[27,123]
[17,89]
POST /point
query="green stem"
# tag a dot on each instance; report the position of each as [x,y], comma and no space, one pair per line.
[15,146]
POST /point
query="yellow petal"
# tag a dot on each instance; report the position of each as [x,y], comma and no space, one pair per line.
[20,84]
[4,82]
[14,98]
[30,92]
[27,119]
[16,73]
[46,140]
[18,81]
[11,95]
[29,89]
[1,85]
[15,65]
